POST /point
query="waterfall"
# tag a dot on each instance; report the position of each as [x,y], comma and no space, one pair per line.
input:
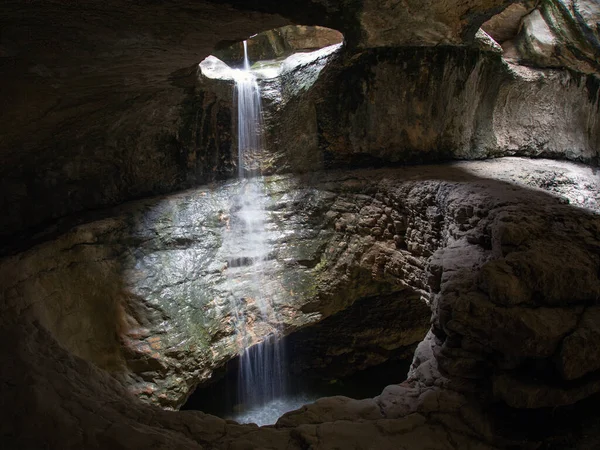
[261,377]
[249,120]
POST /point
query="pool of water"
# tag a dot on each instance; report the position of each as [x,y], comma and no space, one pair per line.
[221,399]
[268,413]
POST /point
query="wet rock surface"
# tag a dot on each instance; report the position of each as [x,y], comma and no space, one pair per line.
[335,108]
[105,315]
[101,105]
[483,243]
[162,278]
[421,104]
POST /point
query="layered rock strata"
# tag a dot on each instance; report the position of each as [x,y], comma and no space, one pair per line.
[561,33]
[505,252]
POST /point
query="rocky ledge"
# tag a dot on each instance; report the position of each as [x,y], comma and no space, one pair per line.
[505,254]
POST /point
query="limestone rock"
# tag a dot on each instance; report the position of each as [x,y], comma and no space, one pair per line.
[419,104]
[519,393]
[331,409]
[83,137]
[145,262]
[338,242]
[578,354]
[331,110]
[486,43]
[104,312]
[562,33]
[505,25]
[441,22]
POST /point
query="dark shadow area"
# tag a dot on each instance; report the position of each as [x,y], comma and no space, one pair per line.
[572,427]
[356,353]
[220,398]
[370,332]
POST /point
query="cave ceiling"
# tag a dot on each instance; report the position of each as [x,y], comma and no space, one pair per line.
[93,90]
[64,60]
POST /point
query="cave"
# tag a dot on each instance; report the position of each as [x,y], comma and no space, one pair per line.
[375,223]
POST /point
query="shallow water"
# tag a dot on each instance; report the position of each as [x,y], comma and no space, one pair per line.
[222,398]
[268,413]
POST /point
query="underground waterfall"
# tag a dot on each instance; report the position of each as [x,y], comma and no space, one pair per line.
[261,371]
[282,364]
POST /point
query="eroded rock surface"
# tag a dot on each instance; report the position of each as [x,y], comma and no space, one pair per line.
[102,106]
[505,25]
[562,33]
[483,242]
[422,105]
[95,116]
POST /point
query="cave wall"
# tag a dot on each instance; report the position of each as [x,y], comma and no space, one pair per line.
[97,102]
[372,331]
[560,33]
[419,104]
[100,105]
[93,118]
[476,240]
[145,293]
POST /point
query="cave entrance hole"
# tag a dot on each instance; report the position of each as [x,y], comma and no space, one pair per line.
[270,49]
[280,68]
[275,55]
[355,353]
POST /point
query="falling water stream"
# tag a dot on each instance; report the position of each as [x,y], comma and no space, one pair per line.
[261,377]
[255,387]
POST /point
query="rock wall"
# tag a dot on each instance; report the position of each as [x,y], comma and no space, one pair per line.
[420,105]
[368,333]
[561,33]
[147,151]
[506,25]
[145,293]
[96,108]
[102,106]
[97,117]
[484,243]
